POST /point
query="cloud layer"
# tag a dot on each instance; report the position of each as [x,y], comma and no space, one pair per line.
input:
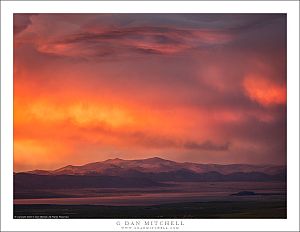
[189,87]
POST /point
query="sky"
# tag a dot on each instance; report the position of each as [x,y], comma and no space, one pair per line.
[206,88]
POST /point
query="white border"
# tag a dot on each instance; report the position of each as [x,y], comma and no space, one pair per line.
[10,7]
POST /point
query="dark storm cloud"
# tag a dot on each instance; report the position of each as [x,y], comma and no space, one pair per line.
[261,131]
[21,22]
[169,142]
[152,140]
[158,40]
[207,145]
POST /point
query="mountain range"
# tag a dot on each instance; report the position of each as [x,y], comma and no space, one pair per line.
[115,167]
[119,173]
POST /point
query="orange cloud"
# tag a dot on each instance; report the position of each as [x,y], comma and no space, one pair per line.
[264,91]
[29,153]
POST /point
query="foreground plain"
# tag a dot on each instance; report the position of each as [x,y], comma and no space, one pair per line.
[216,209]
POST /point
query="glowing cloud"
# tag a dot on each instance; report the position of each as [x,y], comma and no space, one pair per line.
[264,91]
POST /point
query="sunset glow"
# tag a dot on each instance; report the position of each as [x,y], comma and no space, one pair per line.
[207,88]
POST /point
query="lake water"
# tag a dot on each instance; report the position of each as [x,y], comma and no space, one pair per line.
[177,192]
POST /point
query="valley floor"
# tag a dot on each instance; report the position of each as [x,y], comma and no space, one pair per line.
[214,209]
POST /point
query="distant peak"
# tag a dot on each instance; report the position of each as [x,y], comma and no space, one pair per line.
[113,160]
[156,159]
[68,167]
[152,159]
